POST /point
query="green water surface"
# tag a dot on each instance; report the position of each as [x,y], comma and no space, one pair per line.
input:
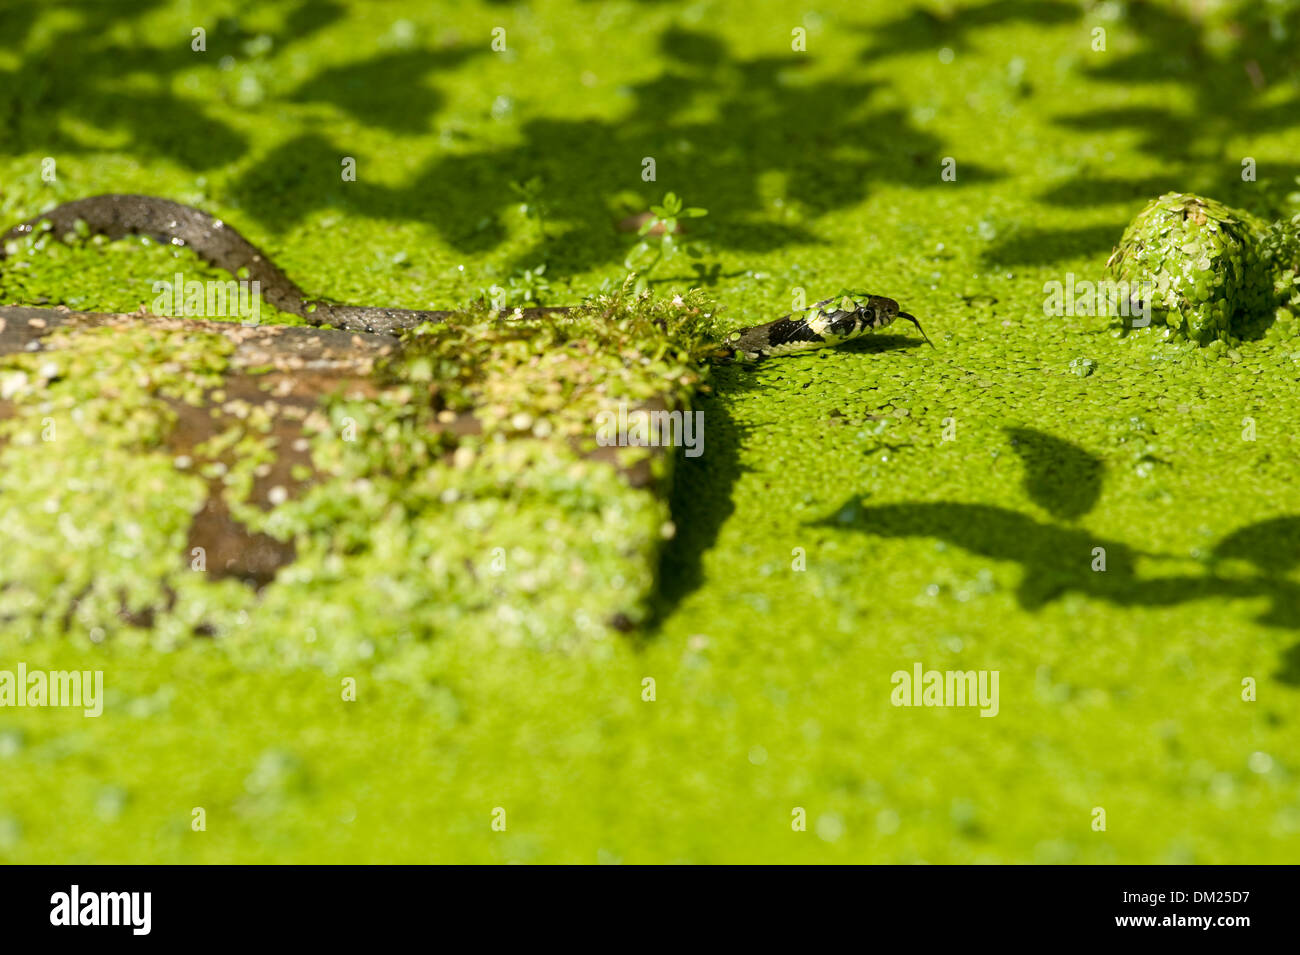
[854,512]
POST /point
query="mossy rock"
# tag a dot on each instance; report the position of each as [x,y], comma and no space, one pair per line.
[1210,277]
[308,496]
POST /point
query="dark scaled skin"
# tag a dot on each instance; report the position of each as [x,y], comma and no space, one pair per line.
[834,320]
[218,244]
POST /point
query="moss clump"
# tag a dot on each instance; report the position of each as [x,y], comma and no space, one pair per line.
[1209,278]
[467,495]
[87,486]
[459,489]
[561,368]
[1280,248]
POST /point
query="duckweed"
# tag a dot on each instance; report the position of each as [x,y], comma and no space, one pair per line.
[509,528]
[1212,273]
[819,544]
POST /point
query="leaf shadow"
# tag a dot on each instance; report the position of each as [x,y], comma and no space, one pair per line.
[81,67]
[825,142]
[921,28]
[1058,559]
[1228,66]
[369,90]
[1060,477]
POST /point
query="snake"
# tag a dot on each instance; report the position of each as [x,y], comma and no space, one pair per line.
[832,321]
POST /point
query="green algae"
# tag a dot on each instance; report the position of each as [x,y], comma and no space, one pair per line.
[41,270]
[1208,276]
[511,530]
[772,683]
[100,509]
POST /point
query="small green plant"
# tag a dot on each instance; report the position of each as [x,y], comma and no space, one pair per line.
[525,288]
[531,203]
[646,255]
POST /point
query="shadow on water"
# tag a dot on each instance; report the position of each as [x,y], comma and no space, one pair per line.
[1058,560]
[701,497]
[84,68]
[922,29]
[828,142]
[1229,68]
[722,127]
[365,90]
[876,343]
[1060,477]
[1230,62]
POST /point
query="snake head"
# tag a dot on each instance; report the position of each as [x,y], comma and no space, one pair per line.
[877,311]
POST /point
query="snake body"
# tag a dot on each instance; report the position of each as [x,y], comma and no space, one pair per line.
[830,322]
